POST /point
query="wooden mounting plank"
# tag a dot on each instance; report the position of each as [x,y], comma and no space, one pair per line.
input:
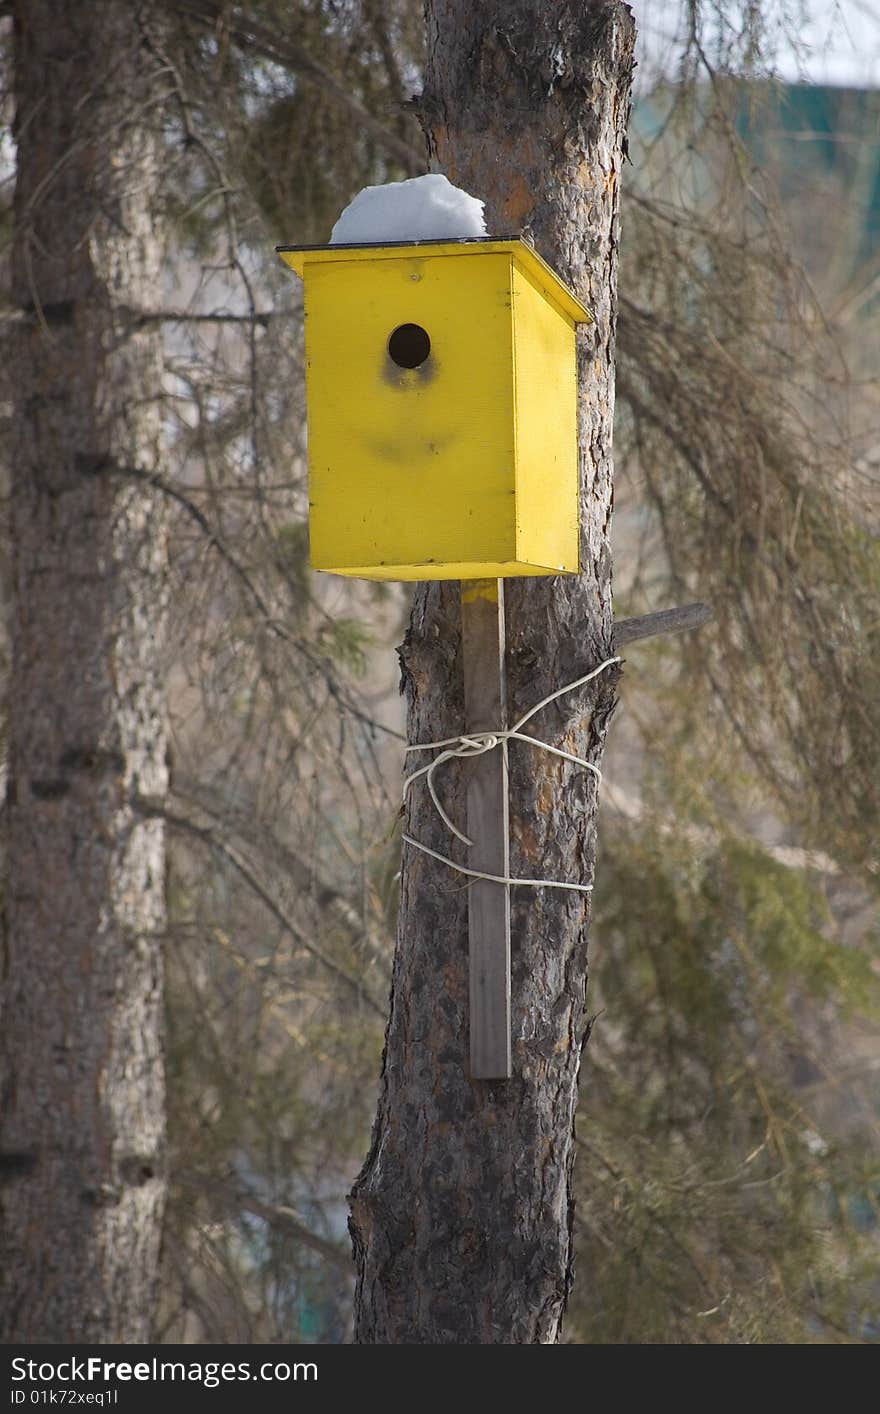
[662,621]
[482,622]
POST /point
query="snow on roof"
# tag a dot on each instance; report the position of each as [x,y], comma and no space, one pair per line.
[421,209]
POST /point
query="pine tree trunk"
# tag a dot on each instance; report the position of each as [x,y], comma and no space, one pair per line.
[82,1098]
[462,1214]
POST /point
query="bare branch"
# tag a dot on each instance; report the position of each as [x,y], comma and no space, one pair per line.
[260,39]
[185,316]
[288,1221]
[316,661]
[155,810]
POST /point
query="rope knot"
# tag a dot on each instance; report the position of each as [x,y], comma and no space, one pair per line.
[473,744]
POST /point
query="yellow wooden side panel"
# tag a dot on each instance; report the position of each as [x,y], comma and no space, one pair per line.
[410,468]
[546,431]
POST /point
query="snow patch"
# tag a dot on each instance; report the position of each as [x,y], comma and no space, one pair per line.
[421,209]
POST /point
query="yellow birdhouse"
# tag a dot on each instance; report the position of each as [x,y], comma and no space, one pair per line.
[441,390]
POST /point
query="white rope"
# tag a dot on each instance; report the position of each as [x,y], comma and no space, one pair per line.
[477,744]
[495,878]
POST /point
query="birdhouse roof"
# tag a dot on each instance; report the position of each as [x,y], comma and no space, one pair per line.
[524,255]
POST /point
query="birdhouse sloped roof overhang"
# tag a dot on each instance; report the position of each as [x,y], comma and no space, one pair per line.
[298,257]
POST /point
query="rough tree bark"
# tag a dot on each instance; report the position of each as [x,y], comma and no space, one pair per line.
[82,1097]
[462,1214]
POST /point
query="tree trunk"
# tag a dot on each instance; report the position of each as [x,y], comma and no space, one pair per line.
[82,1098]
[462,1215]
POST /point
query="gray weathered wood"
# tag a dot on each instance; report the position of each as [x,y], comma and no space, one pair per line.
[482,624]
[663,621]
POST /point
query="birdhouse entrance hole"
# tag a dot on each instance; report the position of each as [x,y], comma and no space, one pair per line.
[409,345]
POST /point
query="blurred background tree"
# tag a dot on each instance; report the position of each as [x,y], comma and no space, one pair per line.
[82,1100]
[728,1175]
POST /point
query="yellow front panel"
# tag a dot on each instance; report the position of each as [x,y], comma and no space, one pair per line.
[410,469]
[546,430]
